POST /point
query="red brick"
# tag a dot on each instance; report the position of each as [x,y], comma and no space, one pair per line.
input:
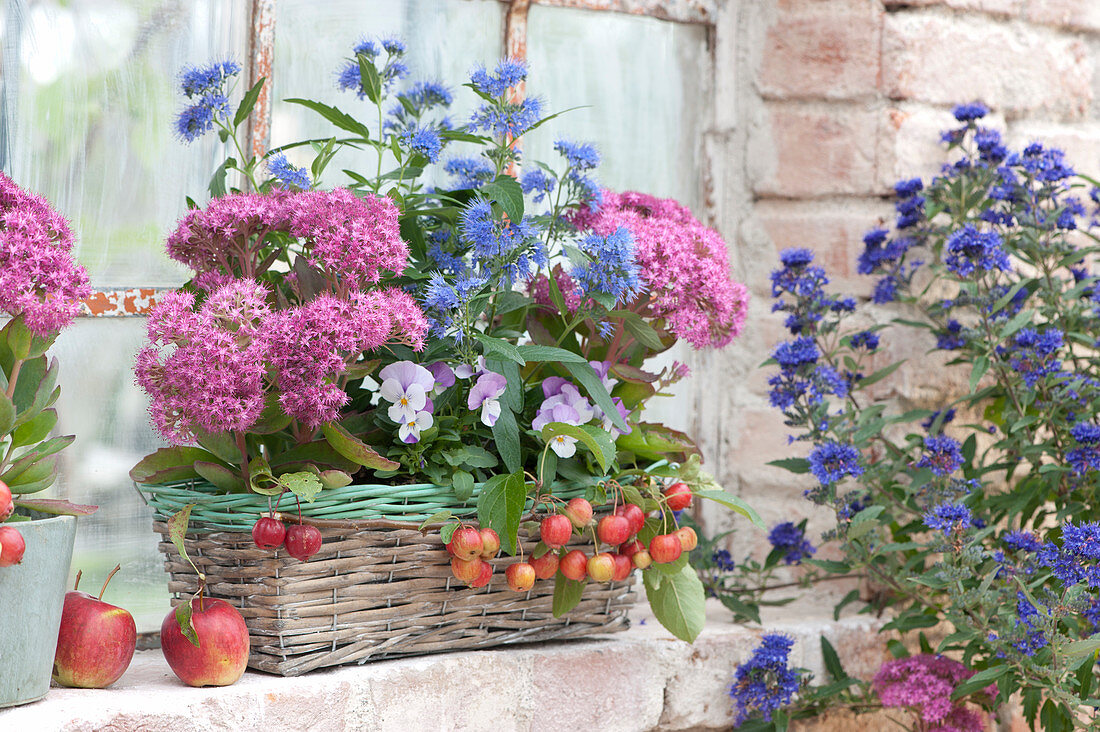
[1083,15]
[822,51]
[807,150]
[946,59]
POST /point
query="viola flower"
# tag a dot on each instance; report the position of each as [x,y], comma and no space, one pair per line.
[444,377]
[405,385]
[486,395]
[608,425]
[791,542]
[412,425]
[764,683]
[466,371]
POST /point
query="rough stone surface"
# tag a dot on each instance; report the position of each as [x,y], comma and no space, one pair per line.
[1014,67]
[662,682]
[1079,15]
[1002,8]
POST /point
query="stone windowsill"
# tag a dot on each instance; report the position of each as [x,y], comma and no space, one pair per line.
[639,679]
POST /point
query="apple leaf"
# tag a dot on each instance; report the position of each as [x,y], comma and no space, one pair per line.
[447,532]
[183,618]
[56,506]
[177,530]
[677,601]
[500,507]
[567,594]
[305,485]
[436,518]
[463,484]
[355,449]
[733,503]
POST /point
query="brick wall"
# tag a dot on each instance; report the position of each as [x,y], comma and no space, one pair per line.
[821,106]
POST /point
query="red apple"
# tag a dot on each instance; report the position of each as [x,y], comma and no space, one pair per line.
[545,566]
[303,541]
[466,543]
[521,576]
[665,548]
[222,653]
[678,496]
[96,641]
[466,571]
[631,547]
[268,533]
[574,565]
[613,529]
[7,506]
[483,576]
[688,538]
[641,559]
[579,512]
[623,567]
[12,546]
[601,567]
[555,531]
[634,515]
[490,543]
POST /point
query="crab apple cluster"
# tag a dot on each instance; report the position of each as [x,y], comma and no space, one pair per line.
[12,545]
[7,505]
[470,550]
[300,540]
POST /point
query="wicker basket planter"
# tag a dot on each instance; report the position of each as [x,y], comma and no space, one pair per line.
[377,589]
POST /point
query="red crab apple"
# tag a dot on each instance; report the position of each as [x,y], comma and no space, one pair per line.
[483,576]
[545,566]
[490,543]
[601,567]
[574,565]
[613,529]
[631,547]
[521,576]
[303,541]
[466,571]
[96,641]
[466,543]
[678,496]
[633,514]
[222,653]
[641,559]
[7,506]
[555,531]
[579,512]
[623,567]
[12,546]
[688,538]
[665,548]
[268,533]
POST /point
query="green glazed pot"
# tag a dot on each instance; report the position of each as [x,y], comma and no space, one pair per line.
[31,596]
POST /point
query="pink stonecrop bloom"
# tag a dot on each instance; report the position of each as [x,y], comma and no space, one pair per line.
[485,395]
[212,379]
[923,684]
[683,264]
[38,277]
[353,240]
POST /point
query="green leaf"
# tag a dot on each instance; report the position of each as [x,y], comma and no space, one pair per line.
[567,594]
[183,619]
[979,681]
[222,477]
[335,116]
[354,449]
[740,609]
[513,393]
[21,476]
[19,338]
[879,375]
[222,444]
[677,602]
[500,507]
[656,442]
[595,439]
[33,430]
[331,479]
[437,518]
[531,352]
[1079,649]
[981,365]
[169,464]
[56,507]
[7,414]
[368,76]
[448,531]
[506,437]
[499,346]
[305,484]
[792,465]
[832,661]
[463,484]
[590,380]
[642,331]
[506,191]
[248,102]
[732,502]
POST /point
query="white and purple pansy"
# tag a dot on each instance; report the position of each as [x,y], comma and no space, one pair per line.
[405,385]
[465,370]
[563,446]
[486,395]
[411,427]
[444,377]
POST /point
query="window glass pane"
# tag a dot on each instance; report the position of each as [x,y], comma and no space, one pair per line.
[642,83]
[445,40]
[86,111]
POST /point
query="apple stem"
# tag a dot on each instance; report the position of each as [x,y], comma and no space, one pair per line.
[77,585]
[105,582]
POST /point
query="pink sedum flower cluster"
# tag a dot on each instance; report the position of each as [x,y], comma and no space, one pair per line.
[684,265]
[354,240]
[923,684]
[38,277]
